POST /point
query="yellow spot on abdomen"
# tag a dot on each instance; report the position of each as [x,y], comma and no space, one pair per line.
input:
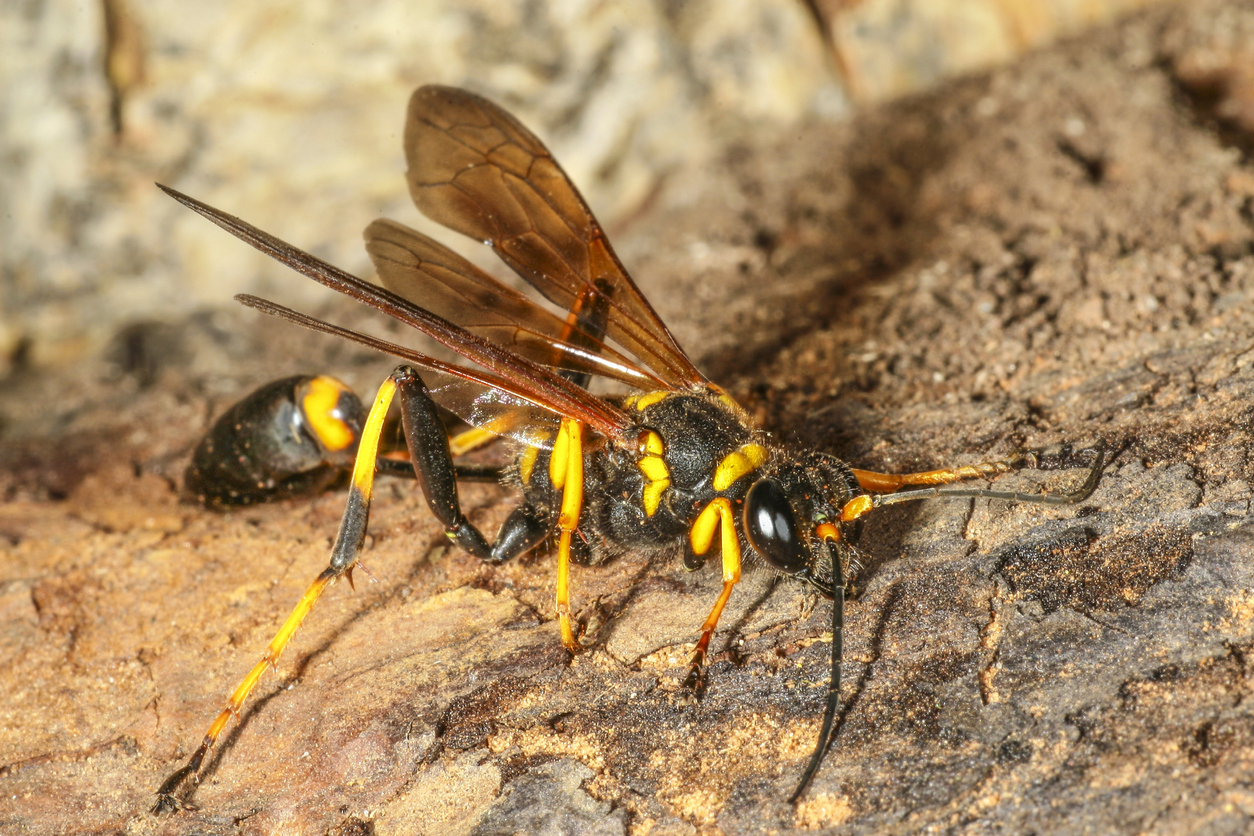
[320,406]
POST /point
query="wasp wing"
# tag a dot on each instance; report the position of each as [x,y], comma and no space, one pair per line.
[477,170]
[479,398]
[510,373]
[434,277]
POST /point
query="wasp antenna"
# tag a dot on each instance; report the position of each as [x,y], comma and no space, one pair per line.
[833,686]
[1078,495]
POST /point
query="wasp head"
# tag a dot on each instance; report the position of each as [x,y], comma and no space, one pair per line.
[792,519]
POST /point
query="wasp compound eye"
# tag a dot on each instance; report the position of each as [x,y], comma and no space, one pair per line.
[771,527]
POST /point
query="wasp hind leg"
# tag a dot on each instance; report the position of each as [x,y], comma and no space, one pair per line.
[435,472]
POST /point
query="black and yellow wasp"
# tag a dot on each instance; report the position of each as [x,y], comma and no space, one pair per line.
[676,466]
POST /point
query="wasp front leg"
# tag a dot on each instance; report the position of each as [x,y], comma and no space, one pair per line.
[715,517]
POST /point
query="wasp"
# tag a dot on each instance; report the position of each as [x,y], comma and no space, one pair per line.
[675,466]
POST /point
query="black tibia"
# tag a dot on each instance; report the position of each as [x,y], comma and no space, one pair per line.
[479,473]
[352,534]
[433,463]
[399,468]
[524,529]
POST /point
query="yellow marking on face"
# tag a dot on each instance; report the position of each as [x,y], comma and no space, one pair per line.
[526,462]
[827,531]
[643,402]
[738,463]
[319,405]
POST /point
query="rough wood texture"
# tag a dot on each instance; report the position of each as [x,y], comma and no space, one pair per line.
[1059,251]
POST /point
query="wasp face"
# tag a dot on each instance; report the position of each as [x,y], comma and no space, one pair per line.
[792,518]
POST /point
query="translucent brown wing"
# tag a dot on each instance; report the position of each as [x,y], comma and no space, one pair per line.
[434,277]
[478,170]
[507,372]
[478,398]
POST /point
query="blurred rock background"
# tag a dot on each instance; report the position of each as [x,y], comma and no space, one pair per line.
[288,114]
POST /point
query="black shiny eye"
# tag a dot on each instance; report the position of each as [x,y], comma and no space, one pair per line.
[771,527]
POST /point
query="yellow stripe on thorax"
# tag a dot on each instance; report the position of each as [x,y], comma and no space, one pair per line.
[653,466]
[738,463]
[645,400]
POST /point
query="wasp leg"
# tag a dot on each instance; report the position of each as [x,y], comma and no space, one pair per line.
[433,463]
[402,469]
[718,514]
[566,474]
[435,472]
[526,527]
[432,452]
[889,482]
[348,543]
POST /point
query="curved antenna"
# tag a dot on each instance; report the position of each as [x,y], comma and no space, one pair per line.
[838,587]
[1078,495]
[833,684]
